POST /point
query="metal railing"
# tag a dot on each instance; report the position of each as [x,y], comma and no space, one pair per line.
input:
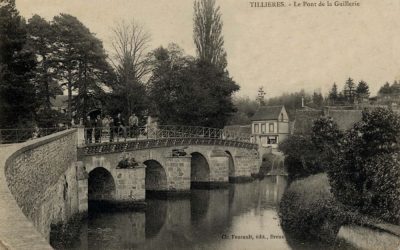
[113,147]
[21,135]
[121,133]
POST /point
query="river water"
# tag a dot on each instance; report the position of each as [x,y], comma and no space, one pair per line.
[243,216]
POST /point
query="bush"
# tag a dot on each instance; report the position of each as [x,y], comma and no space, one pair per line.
[311,154]
[301,157]
[308,209]
[365,173]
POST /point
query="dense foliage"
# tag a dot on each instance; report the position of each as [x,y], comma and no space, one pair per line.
[187,91]
[17,63]
[308,210]
[365,172]
[351,93]
[245,109]
[311,154]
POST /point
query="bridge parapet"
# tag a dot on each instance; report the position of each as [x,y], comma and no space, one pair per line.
[114,147]
[116,134]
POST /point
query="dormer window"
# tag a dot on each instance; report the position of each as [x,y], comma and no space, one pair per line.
[281,117]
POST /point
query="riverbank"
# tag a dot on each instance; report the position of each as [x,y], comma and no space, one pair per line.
[308,210]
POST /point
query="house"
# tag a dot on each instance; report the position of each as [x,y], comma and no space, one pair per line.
[270,125]
[59,103]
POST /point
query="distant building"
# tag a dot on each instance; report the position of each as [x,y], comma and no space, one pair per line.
[270,125]
[344,116]
[59,103]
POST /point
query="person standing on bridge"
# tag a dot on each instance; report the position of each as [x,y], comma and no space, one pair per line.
[88,129]
[133,125]
[120,126]
[98,128]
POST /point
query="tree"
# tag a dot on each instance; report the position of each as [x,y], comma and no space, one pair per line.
[362,90]
[17,93]
[82,63]
[246,108]
[207,33]
[349,90]
[186,91]
[132,65]
[317,99]
[291,101]
[333,94]
[365,171]
[385,89]
[41,40]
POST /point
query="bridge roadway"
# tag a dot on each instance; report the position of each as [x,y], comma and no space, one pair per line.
[123,165]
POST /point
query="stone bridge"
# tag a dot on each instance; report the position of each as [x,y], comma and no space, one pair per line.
[47,181]
[167,162]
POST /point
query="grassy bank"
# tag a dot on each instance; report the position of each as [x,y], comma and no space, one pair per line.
[308,210]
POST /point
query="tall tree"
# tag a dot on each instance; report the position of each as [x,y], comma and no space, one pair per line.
[385,89]
[17,93]
[333,94]
[82,63]
[207,33]
[317,99]
[132,65]
[362,90]
[190,92]
[349,90]
[41,40]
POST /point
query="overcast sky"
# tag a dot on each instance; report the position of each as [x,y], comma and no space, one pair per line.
[281,49]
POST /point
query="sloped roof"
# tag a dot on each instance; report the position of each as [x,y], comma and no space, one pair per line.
[267,113]
[304,120]
[245,129]
[345,119]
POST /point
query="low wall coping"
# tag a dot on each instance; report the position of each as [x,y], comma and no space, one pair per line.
[16,230]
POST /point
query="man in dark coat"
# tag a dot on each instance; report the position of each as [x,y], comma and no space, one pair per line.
[88,129]
[98,128]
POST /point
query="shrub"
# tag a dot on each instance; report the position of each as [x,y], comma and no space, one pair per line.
[308,209]
[365,173]
[301,157]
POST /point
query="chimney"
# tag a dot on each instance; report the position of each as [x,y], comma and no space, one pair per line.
[302,102]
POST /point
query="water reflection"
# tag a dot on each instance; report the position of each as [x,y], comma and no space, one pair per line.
[200,222]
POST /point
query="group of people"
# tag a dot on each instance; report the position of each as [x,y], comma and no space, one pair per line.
[114,127]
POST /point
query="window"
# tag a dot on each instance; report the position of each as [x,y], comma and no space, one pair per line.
[281,117]
[256,128]
[271,127]
[263,128]
[272,140]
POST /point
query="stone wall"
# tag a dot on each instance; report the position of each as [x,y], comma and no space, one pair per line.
[178,173]
[42,177]
[130,184]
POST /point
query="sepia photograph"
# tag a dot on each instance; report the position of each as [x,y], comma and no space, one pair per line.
[200,124]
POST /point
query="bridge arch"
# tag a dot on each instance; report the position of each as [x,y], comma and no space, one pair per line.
[155,177]
[101,185]
[231,164]
[200,169]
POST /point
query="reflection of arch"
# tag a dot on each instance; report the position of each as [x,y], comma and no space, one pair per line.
[231,164]
[199,202]
[101,185]
[156,213]
[156,178]
[200,170]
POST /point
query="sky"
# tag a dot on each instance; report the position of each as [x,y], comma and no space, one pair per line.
[282,49]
